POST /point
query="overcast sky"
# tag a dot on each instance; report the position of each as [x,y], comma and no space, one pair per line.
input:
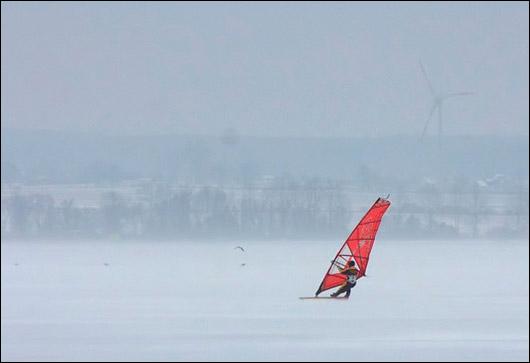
[264,69]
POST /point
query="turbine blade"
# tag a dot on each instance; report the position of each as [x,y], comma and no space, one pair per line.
[440,127]
[427,79]
[428,120]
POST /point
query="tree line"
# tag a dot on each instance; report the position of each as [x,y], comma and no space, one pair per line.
[160,212]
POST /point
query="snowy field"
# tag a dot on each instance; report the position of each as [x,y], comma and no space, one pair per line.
[132,301]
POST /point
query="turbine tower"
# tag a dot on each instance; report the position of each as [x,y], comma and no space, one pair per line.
[438,100]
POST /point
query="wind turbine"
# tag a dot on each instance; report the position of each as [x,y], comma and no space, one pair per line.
[438,100]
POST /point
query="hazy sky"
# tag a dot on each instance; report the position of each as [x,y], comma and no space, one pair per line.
[264,69]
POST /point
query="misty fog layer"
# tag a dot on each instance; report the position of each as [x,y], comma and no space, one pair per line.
[268,69]
[263,121]
[177,187]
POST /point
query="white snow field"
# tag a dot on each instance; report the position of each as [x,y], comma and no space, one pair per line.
[174,301]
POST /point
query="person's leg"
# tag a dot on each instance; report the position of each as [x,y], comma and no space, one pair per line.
[348,291]
[339,291]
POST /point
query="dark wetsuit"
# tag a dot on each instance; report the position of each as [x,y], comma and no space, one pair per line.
[351,280]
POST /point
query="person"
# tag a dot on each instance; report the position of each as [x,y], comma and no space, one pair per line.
[351,273]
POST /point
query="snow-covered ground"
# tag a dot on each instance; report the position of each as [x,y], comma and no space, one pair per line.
[120,300]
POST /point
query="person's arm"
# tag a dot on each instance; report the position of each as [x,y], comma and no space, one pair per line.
[338,265]
[343,269]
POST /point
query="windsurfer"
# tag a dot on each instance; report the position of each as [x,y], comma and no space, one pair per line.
[351,273]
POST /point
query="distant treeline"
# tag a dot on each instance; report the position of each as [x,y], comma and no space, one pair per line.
[164,212]
[208,212]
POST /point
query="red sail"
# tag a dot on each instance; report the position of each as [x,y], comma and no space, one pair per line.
[357,246]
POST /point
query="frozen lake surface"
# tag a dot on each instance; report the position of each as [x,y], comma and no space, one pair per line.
[171,301]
